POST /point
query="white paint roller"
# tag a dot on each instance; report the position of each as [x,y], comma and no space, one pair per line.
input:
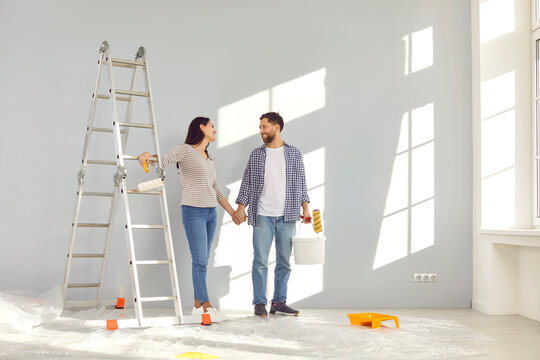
[150,184]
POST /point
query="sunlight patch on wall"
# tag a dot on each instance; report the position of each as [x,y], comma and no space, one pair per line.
[300,96]
[418,50]
[498,158]
[408,223]
[497,18]
[308,280]
[234,248]
[292,99]
[240,120]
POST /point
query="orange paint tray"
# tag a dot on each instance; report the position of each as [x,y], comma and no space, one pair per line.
[372,319]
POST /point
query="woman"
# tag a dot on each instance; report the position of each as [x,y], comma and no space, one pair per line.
[200,196]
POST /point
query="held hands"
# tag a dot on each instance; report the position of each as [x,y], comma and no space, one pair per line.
[239,215]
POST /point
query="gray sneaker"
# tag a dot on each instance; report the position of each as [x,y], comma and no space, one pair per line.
[260,310]
[281,308]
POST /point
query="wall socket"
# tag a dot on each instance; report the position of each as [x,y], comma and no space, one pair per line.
[422,277]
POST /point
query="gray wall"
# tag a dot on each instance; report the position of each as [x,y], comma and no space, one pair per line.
[207,54]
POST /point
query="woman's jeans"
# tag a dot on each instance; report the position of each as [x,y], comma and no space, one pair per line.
[200,226]
[263,235]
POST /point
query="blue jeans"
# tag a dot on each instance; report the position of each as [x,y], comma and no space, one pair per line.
[200,226]
[263,235]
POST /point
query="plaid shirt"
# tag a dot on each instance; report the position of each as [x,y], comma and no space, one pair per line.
[253,183]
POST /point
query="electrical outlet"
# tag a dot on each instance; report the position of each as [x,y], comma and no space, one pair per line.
[423,277]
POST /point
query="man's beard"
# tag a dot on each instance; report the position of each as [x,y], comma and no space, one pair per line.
[269,138]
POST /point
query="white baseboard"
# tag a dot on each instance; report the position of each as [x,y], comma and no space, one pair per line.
[481,306]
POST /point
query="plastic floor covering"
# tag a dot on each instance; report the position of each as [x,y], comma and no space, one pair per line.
[34,327]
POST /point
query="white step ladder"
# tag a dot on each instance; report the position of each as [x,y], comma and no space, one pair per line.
[119,188]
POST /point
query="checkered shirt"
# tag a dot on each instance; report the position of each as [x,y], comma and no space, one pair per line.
[253,183]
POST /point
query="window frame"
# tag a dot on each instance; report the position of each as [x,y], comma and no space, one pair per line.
[535,55]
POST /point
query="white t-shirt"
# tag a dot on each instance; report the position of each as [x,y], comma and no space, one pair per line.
[272,200]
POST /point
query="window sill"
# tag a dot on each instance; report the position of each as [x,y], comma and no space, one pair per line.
[513,232]
[515,237]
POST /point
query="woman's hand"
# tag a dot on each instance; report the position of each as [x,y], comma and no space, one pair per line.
[145,158]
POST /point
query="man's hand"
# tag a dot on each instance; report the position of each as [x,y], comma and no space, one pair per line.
[306,218]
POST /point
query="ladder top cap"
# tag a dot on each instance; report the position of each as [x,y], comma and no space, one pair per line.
[104,46]
[140,53]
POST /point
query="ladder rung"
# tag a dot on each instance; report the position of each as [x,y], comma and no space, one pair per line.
[131,157]
[144,126]
[120,98]
[92,225]
[150,192]
[106,130]
[152,262]
[102,130]
[83,285]
[101,162]
[157,298]
[90,193]
[132,93]
[88,255]
[145,226]
[127,62]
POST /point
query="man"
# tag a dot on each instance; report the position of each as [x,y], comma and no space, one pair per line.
[274,189]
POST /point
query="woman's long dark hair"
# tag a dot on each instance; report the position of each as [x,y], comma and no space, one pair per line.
[195,135]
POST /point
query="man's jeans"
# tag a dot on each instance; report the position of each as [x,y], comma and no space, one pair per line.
[200,226]
[263,235]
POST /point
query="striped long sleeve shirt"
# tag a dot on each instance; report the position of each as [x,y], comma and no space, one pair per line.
[198,175]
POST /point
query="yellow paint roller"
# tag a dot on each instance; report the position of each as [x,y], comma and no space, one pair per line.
[317,222]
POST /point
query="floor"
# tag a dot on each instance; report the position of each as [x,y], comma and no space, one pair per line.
[315,334]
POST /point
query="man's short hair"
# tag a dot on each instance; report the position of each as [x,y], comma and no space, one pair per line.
[274,118]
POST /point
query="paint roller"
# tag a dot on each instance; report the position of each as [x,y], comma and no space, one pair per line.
[317,221]
[150,184]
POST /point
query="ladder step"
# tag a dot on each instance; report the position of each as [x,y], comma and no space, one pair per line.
[89,303]
[83,285]
[132,93]
[92,225]
[152,262]
[131,157]
[150,192]
[87,255]
[121,98]
[144,126]
[90,193]
[105,130]
[157,298]
[145,226]
[116,62]
[101,162]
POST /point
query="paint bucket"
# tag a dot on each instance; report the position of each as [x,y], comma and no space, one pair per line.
[309,250]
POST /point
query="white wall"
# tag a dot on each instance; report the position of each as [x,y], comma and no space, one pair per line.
[391,207]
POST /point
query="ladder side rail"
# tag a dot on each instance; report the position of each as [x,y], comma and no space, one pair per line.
[170,256]
[123,188]
[82,172]
[106,246]
[163,199]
